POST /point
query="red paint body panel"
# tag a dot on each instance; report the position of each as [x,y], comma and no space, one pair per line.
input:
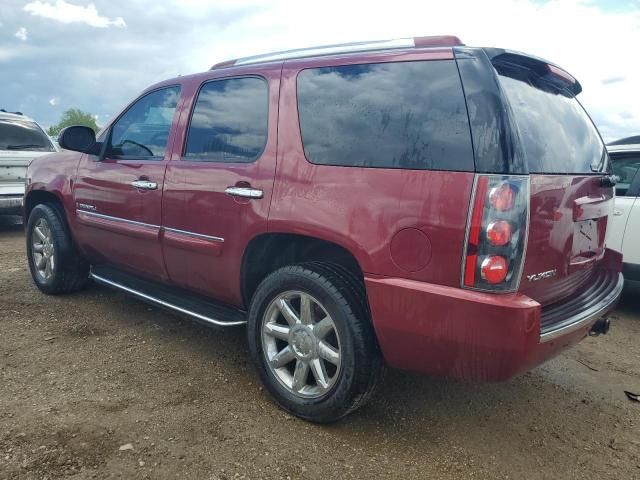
[106,185]
[551,233]
[405,228]
[363,209]
[449,332]
[195,200]
[179,241]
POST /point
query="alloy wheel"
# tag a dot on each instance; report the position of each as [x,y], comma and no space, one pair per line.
[301,344]
[43,250]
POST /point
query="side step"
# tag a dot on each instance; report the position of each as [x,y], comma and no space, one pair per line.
[199,307]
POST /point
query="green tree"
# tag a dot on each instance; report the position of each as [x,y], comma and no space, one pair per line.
[73,116]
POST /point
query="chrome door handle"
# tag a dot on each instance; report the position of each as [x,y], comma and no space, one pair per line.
[245,192]
[145,185]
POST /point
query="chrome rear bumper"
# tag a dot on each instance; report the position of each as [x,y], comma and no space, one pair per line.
[594,302]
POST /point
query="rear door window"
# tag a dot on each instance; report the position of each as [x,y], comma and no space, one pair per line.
[23,135]
[556,133]
[409,115]
[229,121]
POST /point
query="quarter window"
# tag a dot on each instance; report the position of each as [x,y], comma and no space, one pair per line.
[409,115]
[143,131]
[625,168]
[229,121]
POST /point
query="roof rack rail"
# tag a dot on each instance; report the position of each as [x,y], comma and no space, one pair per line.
[6,111]
[412,42]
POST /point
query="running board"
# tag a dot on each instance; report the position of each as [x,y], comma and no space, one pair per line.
[200,308]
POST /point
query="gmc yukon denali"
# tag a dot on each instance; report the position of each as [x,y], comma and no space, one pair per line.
[413,203]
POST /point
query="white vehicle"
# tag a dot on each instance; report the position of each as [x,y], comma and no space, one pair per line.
[624,235]
[21,140]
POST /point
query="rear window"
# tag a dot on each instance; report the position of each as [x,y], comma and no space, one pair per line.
[23,135]
[409,115]
[557,134]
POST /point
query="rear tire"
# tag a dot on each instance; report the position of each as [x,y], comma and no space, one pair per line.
[319,362]
[55,264]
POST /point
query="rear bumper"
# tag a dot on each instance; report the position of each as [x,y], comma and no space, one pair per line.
[593,302]
[451,332]
[11,204]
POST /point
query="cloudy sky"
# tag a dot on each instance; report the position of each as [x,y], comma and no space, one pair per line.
[97,55]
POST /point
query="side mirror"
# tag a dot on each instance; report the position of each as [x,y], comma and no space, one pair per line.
[77,138]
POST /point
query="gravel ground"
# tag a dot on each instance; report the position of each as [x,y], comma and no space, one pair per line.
[99,385]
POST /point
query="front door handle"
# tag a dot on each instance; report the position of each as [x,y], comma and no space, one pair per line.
[244,192]
[145,185]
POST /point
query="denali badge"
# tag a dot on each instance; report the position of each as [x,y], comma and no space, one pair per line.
[542,275]
[87,207]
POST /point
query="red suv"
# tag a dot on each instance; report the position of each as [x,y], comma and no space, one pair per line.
[415,203]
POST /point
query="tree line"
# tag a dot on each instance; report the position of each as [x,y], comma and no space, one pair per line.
[73,116]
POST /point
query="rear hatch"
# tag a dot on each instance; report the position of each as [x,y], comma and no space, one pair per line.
[570,197]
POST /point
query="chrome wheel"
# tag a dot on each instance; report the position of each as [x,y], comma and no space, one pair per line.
[301,344]
[43,250]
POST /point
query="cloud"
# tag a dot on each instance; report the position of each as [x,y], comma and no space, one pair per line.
[609,81]
[54,101]
[22,34]
[114,64]
[65,12]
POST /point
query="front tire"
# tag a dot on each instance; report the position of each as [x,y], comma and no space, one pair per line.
[312,341]
[55,265]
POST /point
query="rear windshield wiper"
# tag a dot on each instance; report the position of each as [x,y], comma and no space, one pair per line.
[24,147]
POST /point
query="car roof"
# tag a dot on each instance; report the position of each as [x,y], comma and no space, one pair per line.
[4,115]
[270,59]
[438,41]
[624,148]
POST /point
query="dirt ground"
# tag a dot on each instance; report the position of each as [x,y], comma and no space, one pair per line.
[99,385]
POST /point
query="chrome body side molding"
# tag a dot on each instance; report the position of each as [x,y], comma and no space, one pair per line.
[115,219]
[157,228]
[193,234]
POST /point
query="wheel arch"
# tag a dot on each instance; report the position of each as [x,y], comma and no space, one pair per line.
[267,252]
[37,197]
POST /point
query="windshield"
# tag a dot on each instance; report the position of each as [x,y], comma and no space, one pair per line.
[23,135]
[556,133]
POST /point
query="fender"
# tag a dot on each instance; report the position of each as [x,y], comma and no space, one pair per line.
[54,174]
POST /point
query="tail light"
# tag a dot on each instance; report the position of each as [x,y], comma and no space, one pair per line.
[496,233]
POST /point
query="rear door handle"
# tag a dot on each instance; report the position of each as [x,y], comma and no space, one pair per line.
[145,185]
[244,192]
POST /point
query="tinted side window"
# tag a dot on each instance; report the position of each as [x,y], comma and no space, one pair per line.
[229,121]
[389,115]
[625,167]
[143,130]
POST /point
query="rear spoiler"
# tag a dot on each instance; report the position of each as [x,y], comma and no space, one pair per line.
[528,68]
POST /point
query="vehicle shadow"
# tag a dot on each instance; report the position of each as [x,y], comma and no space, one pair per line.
[630,300]
[10,223]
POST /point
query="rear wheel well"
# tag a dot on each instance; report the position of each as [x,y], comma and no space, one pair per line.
[36,198]
[269,252]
